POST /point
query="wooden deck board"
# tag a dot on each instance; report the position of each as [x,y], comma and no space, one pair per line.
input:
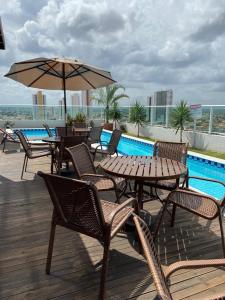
[25,214]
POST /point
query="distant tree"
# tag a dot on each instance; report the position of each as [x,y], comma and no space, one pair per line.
[108,96]
[138,115]
[115,113]
[179,116]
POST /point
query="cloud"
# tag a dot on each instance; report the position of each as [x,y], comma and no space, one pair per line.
[147,45]
[210,30]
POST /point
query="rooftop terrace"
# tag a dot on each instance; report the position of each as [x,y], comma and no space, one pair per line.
[25,210]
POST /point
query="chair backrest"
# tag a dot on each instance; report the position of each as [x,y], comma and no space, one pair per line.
[69,141]
[64,131]
[95,133]
[81,159]
[76,205]
[171,150]
[152,259]
[8,136]
[24,142]
[47,129]
[114,141]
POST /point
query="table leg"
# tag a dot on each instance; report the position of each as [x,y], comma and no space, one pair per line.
[140,195]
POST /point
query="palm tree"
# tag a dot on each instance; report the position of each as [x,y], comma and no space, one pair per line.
[108,96]
[115,113]
[138,115]
[179,116]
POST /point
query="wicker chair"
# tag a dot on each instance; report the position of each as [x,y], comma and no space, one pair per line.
[161,275]
[47,129]
[201,205]
[85,170]
[9,138]
[171,150]
[64,131]
[61,155]
[30,153]
[77,207]
[111,146]
[95,135]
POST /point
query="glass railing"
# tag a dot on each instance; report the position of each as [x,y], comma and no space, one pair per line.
[211,121]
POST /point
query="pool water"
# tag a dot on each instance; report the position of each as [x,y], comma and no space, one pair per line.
[197,166]
[36,133]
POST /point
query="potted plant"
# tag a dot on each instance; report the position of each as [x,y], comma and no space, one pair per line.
[79,120]
[69,121]
[107,97]
[179,116]
[115,113]
[137,115]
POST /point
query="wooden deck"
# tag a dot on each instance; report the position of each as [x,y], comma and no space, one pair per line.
[25,213]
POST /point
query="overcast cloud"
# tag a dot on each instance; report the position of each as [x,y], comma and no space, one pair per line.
[148,45]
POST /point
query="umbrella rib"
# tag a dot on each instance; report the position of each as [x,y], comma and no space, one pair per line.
[57,74]
[98,73]
[35,80]
[83,77]
[27,69]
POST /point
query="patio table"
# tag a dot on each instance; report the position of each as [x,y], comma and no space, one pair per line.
[143,168]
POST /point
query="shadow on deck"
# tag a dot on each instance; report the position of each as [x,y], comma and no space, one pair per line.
[25,213]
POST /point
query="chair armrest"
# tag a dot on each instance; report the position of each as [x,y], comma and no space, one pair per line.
[120,207]
[192,264]
[192,193]
[204,179]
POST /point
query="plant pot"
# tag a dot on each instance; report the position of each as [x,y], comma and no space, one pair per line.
[108,126]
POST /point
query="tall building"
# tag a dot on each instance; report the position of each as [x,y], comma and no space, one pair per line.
[75,102]
[60,108]
[85,98]
[161,98]
[39,102]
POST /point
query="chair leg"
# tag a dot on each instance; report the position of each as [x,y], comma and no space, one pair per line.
[222,231]
[24,163]
[173,215]
[50,248]
[104,270]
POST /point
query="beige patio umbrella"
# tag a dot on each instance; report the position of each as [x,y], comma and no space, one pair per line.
[59,74]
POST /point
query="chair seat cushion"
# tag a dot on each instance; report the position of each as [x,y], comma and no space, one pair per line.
[120,218]
[103,184]
[194,202]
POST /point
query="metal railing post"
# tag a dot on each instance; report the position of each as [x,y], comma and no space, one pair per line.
[210,120]
[167,116]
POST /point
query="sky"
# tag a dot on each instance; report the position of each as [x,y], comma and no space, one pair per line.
[147,45]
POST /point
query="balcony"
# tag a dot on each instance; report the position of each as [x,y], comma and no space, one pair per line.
[25,210]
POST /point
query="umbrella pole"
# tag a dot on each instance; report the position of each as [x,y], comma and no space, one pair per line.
[64,90]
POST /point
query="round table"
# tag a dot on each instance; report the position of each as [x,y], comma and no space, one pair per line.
[143,168]
[52,139]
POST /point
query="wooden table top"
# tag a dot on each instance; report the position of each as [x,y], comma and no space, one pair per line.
[52,139]
[143,167]
[77,129]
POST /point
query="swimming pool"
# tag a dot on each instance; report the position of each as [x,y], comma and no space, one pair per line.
[198,166]
[36,133]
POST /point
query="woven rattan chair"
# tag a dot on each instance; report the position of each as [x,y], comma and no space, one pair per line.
[201,205]
[64,131]
[161,275]
[171,150]
[95,135]
[109,148]
[77,207]
[8,138]
[48,129]
[61,155]
[85,170]
[30,153]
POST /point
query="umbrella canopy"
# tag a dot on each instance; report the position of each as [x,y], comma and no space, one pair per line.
[59,74]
